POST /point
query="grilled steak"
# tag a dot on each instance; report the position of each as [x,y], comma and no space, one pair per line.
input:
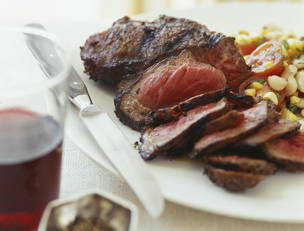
[167,87]
[288,152]
[130,46]
[178,136]
[229,120]
[242,164]
[241,100]
[269,132]
[167,114]
[233,180]
[254,118]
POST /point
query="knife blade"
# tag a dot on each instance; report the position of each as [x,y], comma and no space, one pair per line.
[107,135]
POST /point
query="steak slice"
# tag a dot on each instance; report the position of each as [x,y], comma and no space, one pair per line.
[288,152]
[130,46]
[241,100]
[167,114]
[269,132]
[178,136]
[254,118]
[233,180]
[168,87]
[242,164]
[229,120]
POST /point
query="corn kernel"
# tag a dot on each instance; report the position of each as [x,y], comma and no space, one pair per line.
[244,32]
[271,96]
[250,91]
[294,100]
[302,112]
[285,64]
[256,85]
[288,115]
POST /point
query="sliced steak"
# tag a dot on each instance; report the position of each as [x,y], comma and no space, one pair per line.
[177,80]
[166,88]
[167,114]
[229,120]
[254,118]
[130,46]
[178,136]
[269,132]
[233,180]
[240,163]
[288,152]
[241,100]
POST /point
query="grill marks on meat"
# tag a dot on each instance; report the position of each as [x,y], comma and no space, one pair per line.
[254,118]
[233,180]
[287,152]
[171,86]
[162,66]
[237,173]
[130,46]
[171,74]
[242,164]
[269,132]
[177,136]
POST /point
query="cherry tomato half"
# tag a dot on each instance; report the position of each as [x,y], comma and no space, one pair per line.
[267,59]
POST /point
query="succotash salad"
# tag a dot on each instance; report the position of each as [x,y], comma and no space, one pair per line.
[277,62]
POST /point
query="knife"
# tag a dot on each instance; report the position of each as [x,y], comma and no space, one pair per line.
[107,135]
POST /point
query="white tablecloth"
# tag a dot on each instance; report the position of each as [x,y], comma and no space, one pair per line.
[79,173]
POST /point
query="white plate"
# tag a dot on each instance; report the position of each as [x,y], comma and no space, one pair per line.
[278,199]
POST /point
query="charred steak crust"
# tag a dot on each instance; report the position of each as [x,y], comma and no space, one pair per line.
[242,164]
[168,114]
[178,136]
[130,46]
[135,115]
[271,131]
[233,180]
[132,113]
[241,100]
[254,118]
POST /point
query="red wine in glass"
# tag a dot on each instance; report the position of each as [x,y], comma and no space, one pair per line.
[30,163]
